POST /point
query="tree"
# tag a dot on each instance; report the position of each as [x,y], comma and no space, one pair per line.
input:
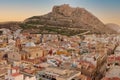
[40,79]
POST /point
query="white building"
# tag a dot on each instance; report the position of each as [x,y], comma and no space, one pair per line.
[13,74]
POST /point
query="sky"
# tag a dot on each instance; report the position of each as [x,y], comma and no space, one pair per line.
[18,10]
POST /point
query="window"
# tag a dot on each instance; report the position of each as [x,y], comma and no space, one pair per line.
[29,55]
[13,56]
[37,54]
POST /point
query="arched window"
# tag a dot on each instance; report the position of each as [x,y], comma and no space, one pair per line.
[29,55]
[37,54]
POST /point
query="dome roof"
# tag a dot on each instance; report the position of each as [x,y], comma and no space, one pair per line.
[30,44]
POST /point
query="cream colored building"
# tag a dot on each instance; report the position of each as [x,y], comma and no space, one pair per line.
[56,73]
[29,51]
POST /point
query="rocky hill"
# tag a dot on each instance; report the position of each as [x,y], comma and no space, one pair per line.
[114,27]
[10,25]
[66,17]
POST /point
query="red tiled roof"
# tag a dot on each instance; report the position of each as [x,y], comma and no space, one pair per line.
[88,78]
[28,71]
[114,78]
[16,68]
[16,74]
[111,58]
[117,58]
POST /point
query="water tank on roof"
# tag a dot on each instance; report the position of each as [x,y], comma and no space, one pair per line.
[30,44]
[74,64]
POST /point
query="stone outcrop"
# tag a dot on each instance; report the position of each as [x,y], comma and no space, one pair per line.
[66,16]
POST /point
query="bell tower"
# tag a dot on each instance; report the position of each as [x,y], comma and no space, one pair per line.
[18,43]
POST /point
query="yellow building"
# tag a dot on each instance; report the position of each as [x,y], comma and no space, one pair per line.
[3,44]
[64,52]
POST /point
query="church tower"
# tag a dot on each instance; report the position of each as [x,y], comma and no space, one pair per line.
[18,43]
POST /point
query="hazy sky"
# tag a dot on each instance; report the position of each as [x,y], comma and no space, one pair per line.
[107,11]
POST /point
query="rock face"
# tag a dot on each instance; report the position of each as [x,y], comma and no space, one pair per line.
[66,16]
[114,27]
